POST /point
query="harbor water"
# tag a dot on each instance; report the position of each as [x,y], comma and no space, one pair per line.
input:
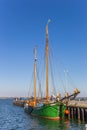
[14,118]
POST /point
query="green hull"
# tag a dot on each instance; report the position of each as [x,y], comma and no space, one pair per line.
[50,111]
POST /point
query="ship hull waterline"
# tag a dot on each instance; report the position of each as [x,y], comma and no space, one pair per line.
[54,111]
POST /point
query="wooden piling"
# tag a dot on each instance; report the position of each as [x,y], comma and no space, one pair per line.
[85,113]
[82,114]
[69,113]
[78,113]
[72,112]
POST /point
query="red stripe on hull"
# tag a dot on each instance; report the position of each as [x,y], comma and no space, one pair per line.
[51,118]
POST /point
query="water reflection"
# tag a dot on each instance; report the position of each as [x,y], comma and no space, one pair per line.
[46,124]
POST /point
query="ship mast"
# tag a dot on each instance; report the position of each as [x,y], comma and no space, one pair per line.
[47,50]
[35,59]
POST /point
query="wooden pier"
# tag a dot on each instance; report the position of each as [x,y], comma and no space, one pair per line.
[77,110]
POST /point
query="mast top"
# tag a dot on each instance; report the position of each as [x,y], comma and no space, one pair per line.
[35,53]
[48,21]
[47,26]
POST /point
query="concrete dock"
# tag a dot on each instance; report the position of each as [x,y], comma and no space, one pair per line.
[74,103]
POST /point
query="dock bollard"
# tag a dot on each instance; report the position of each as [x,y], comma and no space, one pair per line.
[85,126]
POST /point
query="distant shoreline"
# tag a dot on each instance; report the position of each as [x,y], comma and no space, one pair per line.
[77,98]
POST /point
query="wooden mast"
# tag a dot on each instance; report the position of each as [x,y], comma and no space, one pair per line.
[35,59]
[47,50]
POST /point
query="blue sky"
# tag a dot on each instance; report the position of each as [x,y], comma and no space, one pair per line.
[22,26]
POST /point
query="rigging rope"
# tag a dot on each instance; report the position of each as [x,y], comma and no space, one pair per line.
[31,81]
[52,73]
[58,72]
[68,74]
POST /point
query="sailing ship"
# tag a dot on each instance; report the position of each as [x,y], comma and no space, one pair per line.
[45,108]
